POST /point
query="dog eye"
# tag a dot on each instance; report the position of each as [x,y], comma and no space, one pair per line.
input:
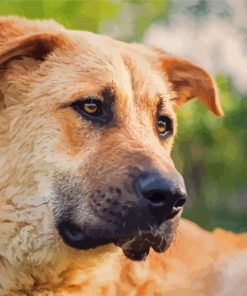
[91,107]
[164,126]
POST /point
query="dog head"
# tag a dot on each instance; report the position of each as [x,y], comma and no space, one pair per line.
[87,126]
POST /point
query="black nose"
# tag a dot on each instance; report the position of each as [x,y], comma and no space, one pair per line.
[164,194]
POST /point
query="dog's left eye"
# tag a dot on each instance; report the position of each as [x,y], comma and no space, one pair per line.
[164,126]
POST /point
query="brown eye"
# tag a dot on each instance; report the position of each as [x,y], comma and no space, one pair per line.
[92,107]
[164,126]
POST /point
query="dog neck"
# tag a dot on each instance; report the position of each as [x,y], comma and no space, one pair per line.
[68,273]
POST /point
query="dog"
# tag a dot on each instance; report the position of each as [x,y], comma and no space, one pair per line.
[87,186]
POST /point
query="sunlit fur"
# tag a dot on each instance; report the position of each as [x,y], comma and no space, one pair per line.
[40,140]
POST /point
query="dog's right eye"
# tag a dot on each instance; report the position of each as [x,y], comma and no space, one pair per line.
[93,109]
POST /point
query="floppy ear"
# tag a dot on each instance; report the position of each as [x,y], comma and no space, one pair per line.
[36,46]
[190,81]
[20,36]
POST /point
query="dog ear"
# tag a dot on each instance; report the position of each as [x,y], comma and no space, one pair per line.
[33,38]
[35,45]
[190,81]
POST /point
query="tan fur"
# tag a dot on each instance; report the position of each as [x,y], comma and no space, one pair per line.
[39,136]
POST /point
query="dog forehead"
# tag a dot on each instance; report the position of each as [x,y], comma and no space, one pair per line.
[96,61]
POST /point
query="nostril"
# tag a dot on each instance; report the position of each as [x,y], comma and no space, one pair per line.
[179,203]
[156,197]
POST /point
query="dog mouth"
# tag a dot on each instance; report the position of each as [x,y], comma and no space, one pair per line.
[135,247]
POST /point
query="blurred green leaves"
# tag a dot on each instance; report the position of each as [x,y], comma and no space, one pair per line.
[84,15]
[89,15]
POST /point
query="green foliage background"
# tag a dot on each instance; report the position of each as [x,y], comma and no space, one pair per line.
[210,152]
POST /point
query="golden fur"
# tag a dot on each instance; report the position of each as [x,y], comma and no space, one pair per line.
[44,67]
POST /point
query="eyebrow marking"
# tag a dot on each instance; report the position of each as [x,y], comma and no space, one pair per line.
[164,98]
[108,94]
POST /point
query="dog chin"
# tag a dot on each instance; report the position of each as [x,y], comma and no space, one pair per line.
[138,248]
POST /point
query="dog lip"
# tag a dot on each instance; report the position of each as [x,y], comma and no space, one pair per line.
[134,247]
[75,237]
[72,232]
